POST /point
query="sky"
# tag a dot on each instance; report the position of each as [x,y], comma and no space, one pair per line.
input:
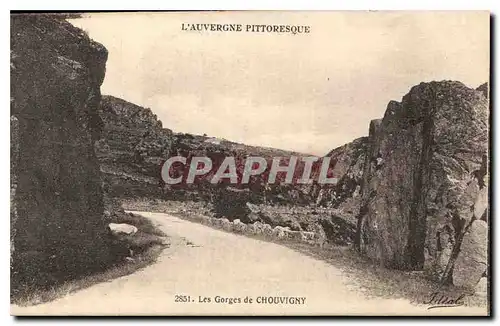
[308,93]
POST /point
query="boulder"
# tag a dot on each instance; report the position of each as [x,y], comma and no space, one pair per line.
[472,260]
[122,228]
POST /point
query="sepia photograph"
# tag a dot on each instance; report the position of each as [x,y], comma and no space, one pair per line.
[250,163]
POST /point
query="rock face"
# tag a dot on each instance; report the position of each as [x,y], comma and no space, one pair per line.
[348,162]
[132,148]
[425,181]
[56,73]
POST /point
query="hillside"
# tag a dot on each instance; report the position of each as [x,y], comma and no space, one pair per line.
[134,145]
[425,184]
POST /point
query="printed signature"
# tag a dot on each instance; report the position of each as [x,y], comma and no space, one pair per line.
[440,300]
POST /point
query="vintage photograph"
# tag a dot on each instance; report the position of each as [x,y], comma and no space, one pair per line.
[250,163]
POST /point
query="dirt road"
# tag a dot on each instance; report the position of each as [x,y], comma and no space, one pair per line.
[207,264]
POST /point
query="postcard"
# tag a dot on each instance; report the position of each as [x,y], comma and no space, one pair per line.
[250,163]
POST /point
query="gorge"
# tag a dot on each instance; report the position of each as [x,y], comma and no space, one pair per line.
[412,195]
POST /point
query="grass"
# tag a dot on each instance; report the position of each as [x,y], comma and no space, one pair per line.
[147,244]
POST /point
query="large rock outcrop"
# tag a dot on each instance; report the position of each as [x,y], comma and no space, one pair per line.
[425,180]
[57,202]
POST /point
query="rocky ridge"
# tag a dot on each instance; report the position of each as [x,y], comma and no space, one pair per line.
[134,146]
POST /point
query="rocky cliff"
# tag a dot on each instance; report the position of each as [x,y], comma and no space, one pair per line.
[132,148]
[425,183]
[57,202]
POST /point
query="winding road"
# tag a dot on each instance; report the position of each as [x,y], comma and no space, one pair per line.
[207,264]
